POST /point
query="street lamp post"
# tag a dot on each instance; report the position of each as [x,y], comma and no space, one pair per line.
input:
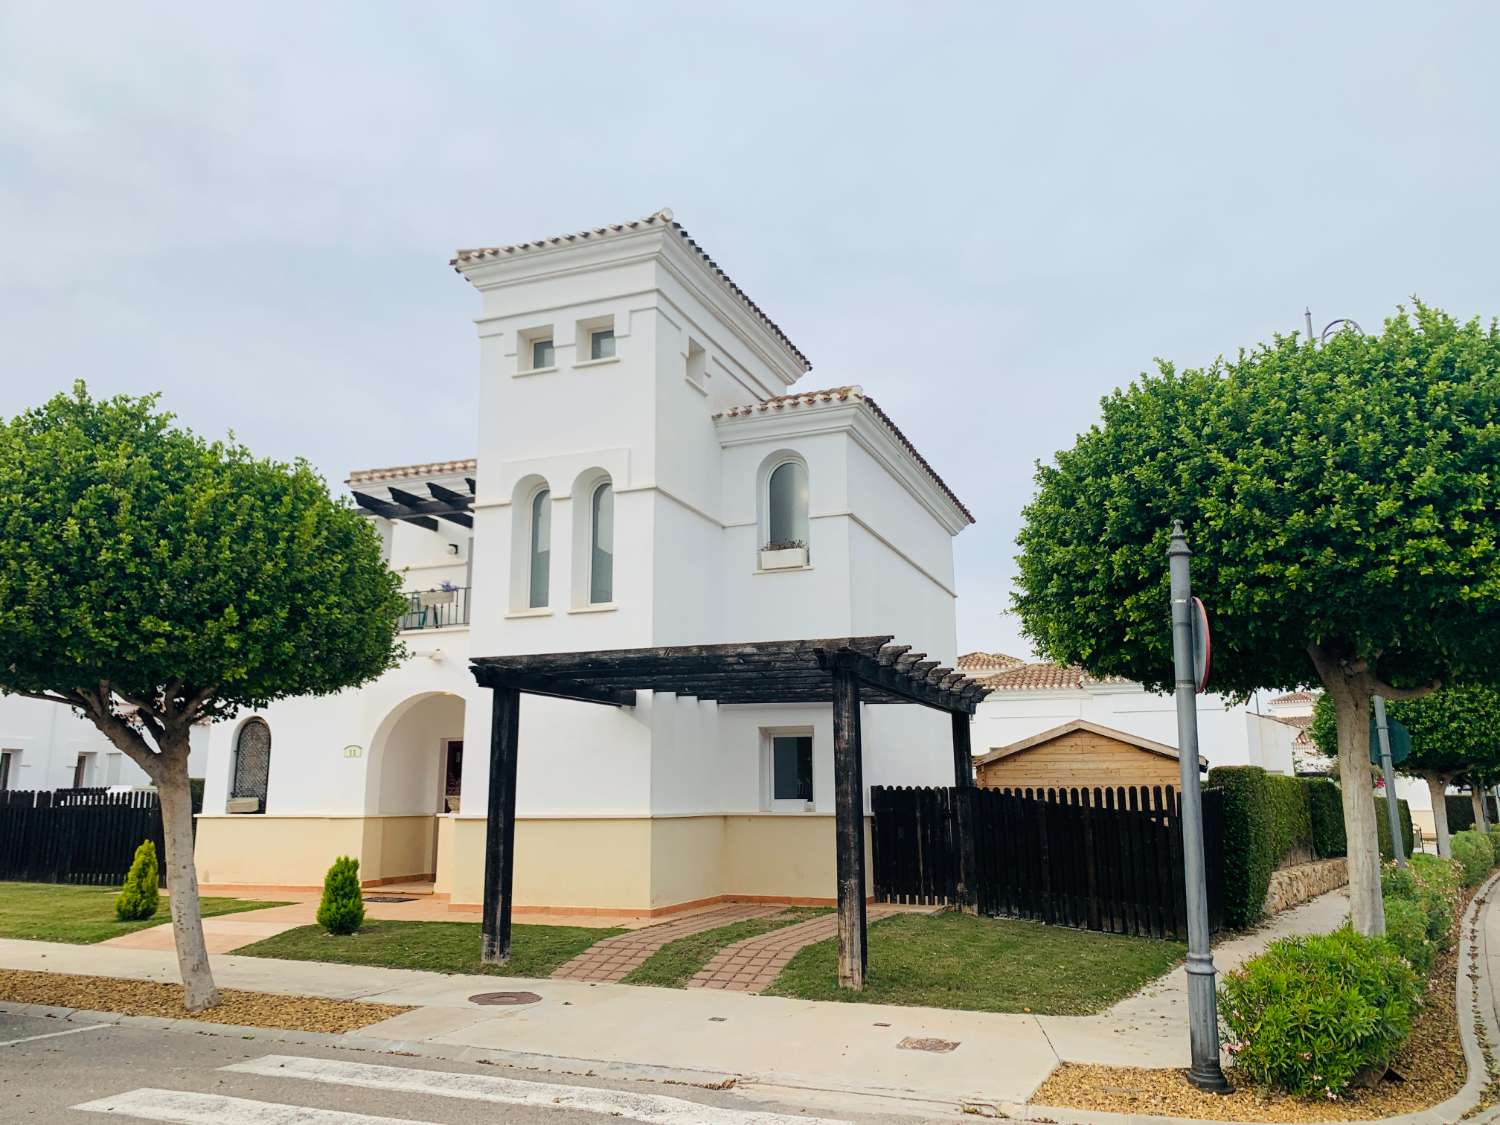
[1203,1008]
[1392,810]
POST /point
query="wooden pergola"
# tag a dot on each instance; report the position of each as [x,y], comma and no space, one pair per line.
[842,671]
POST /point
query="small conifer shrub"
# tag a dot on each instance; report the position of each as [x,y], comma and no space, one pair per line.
[141,895]
[342,910]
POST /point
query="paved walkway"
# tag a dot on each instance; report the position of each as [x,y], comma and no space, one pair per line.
[613,958]
[704,1035]
[752,964]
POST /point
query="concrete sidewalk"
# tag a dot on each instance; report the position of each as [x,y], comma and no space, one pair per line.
[998,1058]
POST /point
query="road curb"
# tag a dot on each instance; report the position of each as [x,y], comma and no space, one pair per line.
[1476,1012]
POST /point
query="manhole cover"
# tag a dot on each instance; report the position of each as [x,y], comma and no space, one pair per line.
[389,898]
[509,999]
[942,1046]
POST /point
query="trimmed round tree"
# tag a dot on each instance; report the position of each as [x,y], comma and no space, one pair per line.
[1341,503]
[1455,737]
[151,580]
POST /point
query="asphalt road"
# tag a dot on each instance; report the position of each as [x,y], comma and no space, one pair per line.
[56,1071]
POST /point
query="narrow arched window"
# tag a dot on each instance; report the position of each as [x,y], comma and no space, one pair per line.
[541,547]
[602,543]
[786,506]
[252,763]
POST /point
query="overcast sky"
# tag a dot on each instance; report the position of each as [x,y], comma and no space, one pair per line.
[986,215]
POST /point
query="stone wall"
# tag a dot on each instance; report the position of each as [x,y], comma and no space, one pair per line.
[1297,884]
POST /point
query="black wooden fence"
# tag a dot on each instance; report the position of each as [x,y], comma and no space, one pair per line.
[75,835]
[1099,859]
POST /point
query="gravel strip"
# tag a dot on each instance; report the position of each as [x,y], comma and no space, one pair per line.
[150,998]
[1431,1064]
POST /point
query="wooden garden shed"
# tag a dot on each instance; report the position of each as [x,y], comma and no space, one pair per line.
[1080,755]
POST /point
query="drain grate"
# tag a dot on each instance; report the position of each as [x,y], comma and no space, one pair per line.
[941,1046]
[390,898]
[503,999]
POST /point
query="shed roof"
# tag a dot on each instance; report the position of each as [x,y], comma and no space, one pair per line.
[1046,736]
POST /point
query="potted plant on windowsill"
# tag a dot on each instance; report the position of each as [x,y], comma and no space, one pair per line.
[443,595]
[784,555]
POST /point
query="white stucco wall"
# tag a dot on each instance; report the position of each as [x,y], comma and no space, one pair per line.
[46,740]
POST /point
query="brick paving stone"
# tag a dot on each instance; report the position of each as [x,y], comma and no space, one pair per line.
[753,964]
[614,958]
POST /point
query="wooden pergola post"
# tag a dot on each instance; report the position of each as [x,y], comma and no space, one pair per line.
[500,824]
[963,780]
[849,827]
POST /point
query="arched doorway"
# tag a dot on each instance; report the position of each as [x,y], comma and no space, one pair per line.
[414,779]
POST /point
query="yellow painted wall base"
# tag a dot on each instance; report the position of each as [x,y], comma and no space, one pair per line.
[604,865]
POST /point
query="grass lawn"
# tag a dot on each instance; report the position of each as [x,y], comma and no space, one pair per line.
[674,964]
[439,947]
[84,915]
[985,965]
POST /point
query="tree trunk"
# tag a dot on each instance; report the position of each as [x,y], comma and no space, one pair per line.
[1357,785]
[198,991]
[1476,801]
[1437,789]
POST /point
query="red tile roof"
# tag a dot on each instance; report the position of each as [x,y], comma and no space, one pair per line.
[847,394]
[663,219]
[1295,697]
[1046,677]
[987,661]
[401,472]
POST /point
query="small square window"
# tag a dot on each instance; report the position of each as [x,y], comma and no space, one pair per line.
[602,344]
[542,354]
[791,768]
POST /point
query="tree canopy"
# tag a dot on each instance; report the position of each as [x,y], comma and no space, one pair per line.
[1455,732]
[139,556]
[1342,496]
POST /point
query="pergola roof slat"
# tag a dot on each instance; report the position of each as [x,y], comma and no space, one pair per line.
[756,672]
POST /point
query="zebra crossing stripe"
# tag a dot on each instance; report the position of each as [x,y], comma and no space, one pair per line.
[653,1109]
[183,1107]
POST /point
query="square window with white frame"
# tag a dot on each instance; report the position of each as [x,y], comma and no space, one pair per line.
[602,343]
[789,770]
[543,355]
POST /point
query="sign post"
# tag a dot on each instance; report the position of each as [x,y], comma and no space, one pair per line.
[1392,805]
[1190,662]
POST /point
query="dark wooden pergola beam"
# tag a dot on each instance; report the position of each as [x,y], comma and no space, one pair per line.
[387,510]
[841,671]
[456,511]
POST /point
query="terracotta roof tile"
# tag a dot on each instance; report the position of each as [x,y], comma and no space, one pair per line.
[663,219]
[1295,697]
[400,472]
[846,394]
[987,661]
[1046,677]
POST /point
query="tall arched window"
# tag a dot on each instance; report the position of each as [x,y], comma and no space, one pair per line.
[252,762]
[786,505]
[541,547]
[602,544]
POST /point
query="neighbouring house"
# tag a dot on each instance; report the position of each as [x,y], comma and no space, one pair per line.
[1081,755]
[1029,698]
[45,745]
[646,475]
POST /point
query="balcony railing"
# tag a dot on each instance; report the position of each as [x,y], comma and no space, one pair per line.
[436,609]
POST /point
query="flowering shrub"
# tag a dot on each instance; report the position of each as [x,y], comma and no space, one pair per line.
[1311,1013]
[1472,850]
[1406,929]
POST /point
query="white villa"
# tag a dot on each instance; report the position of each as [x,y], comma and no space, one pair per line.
[645,476]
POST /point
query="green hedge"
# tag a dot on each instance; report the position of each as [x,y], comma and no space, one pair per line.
[1270,821]
[1461,811]
[1326,806]
[1383,827]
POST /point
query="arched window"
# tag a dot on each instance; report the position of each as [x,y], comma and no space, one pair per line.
[602,544]
[252,762]
[786,506]
[541,548]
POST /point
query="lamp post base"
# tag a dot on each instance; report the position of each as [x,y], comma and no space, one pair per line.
[1209,1079]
